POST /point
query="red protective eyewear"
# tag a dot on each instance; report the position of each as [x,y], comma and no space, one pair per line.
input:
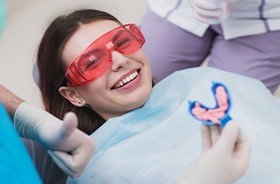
[96,58]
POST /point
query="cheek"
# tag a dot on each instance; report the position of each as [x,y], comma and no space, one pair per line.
[94,89]
[142,58]
[144,61]
[94,98]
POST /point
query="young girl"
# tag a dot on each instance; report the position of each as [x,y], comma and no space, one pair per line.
[91,64]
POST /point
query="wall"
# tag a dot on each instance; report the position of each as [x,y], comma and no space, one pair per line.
[26,23]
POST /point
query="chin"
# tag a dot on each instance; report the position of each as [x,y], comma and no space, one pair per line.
[143,99]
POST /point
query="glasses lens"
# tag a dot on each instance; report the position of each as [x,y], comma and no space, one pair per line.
[95,60]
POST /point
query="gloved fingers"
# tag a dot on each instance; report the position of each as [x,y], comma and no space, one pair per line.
[205,137]
[242,148]
[209,136]
[215,133]
[229,137]
[73,162]
[215,13]
[235,143]
[67,163]
[207,5]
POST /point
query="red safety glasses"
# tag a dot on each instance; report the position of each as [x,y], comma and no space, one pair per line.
[96,58]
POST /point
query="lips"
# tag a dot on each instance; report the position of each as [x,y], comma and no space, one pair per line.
[127,79]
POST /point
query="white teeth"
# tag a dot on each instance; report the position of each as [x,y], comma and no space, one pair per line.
[126,80]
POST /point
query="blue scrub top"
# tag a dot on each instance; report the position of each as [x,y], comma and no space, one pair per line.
[16,165]
[2,15]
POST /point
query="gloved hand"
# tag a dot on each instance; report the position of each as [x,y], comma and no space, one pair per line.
[70,148]
[224,160]
[210,11]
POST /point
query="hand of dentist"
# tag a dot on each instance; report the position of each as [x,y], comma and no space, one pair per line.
[69,147]
[211,11]
[224,159]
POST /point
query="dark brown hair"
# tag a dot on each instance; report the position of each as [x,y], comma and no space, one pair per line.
[52,69]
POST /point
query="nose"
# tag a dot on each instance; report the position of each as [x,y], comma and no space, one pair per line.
[118,60]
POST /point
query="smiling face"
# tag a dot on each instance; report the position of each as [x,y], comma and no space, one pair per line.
[125,85]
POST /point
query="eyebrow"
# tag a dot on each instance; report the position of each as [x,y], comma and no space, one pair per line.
[116,36]
[91,52]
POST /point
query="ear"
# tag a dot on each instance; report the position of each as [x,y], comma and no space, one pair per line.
[71,95]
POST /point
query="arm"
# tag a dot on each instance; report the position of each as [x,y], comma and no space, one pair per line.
[9,100]
[224,159]
[69,147]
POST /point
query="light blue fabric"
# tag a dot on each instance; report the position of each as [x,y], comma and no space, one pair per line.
[2,15]
[155,143]
[16,165]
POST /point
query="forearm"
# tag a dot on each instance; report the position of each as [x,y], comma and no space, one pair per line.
[24,122]
[9,100]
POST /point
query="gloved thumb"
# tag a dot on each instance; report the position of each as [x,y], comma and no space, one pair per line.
[229,136]
[69,124]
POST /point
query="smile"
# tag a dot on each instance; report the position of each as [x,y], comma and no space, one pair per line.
[126,80]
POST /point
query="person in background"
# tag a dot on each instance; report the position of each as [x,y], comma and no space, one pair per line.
[240,36]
